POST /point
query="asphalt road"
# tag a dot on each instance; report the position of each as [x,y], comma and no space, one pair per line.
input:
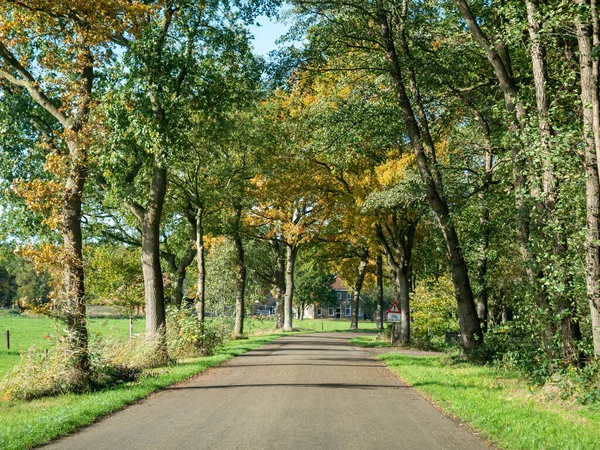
[300,392]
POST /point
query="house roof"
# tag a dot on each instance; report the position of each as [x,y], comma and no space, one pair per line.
[338,285]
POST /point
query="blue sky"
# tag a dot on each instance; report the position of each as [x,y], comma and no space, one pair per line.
[266,34]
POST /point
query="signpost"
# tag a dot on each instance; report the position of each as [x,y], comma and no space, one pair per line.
[394,314]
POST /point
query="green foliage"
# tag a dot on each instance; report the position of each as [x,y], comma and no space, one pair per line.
[185,336]
[433,311]
[312,283]
[8,288]
[20,283]
[114,277]
[581,384]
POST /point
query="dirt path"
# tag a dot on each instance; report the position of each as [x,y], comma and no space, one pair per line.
[300,392]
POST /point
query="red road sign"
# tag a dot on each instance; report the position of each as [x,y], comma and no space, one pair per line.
[394,309]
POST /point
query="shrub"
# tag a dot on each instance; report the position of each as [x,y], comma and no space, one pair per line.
[579,383]
[40,374]
[185,336]
[134,353]
[433,311]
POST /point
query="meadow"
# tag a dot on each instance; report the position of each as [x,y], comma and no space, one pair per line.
[38,332]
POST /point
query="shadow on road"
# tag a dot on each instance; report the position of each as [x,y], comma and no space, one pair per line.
[231,366]
[292,385]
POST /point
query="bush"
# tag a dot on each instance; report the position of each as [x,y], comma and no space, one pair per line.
[50,372]
[433,311]
[581,384]
[40,374]
[185,336]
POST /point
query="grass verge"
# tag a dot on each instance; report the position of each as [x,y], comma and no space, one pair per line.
[31,423]
[499,405]
[370,341]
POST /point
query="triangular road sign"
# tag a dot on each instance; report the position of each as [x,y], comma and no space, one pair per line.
[394,309]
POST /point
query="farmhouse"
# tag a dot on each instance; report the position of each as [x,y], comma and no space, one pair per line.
[341,309]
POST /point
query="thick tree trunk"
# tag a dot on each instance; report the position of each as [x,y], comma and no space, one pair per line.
[471,333]
[75,316]
[379,313]
[586,30]
[201,262]
[291,253]
[153,280]
[362,270]
[150,218]
[240,289]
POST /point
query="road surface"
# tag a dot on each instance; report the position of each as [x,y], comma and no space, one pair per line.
[299,392]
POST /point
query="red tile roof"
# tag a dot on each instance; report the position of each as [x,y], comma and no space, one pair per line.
[338,284]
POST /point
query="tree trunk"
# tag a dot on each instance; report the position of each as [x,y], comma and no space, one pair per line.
[586,33]
[279,254]
[379,313]
[398,249]
[482,264]
[201,261]
[240,288]
[78,102]
[291,253]
[471,334]
[74,278]
[150,218]
[178,271]
[362,269]
[404,302]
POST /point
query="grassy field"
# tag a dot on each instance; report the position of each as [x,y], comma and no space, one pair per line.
[499,405]
[40,332]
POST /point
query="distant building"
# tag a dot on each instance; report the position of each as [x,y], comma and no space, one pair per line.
[264,308]
[341,309]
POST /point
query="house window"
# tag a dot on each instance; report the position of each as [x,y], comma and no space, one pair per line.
[348,295]
[330,311]
[319,312]
[348,310]
[339,294]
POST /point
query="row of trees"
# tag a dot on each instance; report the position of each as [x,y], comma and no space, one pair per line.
[442,137]
[498,104]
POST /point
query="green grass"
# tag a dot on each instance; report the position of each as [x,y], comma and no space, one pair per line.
[370,341]
[27,424]
[40,332]
[331,325]
[499,405]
